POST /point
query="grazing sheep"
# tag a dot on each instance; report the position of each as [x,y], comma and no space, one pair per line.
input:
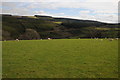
[116,38]
[17,39]
[101,39]
[96,38]
[111,39]
[49,38]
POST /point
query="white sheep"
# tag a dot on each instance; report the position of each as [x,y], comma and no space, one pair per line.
[49,38]
[101,39]
[96,38]
[116,38]
[111,39]
[17,39]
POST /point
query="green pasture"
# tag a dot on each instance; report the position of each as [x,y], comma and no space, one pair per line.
[60,58]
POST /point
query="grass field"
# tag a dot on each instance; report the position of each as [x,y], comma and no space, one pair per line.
[62,58]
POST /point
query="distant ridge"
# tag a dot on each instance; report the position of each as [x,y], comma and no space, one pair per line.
[41,26]
[45,16]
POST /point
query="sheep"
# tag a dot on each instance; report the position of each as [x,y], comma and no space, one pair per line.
[116,38]
[96,38]
[17,39]
[49,38]
[101,39]
[111,39]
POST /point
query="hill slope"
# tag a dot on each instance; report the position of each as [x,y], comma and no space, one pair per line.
[36,27]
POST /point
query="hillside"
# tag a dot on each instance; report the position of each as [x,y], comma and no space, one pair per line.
[38,26]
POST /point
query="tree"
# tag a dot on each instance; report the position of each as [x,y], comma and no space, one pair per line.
[6,35]
[30,34]
[112,33]
[92,32]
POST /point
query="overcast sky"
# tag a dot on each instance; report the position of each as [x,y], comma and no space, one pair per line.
[100,10]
